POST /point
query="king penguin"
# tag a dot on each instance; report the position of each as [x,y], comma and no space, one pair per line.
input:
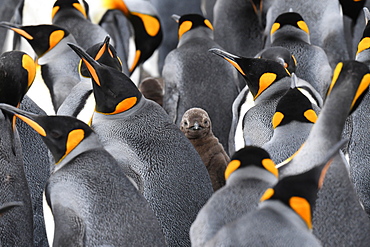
[17,70]
[197,127]
[292,122]
[291,31]
[58,62]
[338,218]
[193,77]
[92,201]
[283,216]
[250,172]
[325,20]
[358,154]
[149,147]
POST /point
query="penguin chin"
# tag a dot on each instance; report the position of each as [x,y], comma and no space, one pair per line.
[196,134]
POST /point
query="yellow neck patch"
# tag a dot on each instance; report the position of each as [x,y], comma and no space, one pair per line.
[55,38]
[363,45]
[302,25]
[184,27]
[54,11]
[116,4]
[33,124]
[208,24]
[267,195]
[22,33]
[92,71]
[29,64]
[276,119]
[74,138]
[124,105]
[303,208]
[310,115]
[265,81]
[336,73]
[231,167]
[80,8]
[270,166]
[274,28]
[151,24]
[364,84]
[136,60]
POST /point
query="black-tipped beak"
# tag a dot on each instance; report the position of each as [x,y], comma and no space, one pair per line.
[28,118]
[224,54]
[176,18]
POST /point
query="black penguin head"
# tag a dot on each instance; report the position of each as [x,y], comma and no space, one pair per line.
[281,55]
[42,38]
[299,192]
[352,8]
[293,106]
[17,72]
[191,21]
[364,43]
[294,25]
[251,156]
[351,73]
[196,123]
[68,5]
[61,134]
[259,73]
[104,53]
[114,92]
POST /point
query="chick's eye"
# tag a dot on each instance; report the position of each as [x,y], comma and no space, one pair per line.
[185,123]
[205,122]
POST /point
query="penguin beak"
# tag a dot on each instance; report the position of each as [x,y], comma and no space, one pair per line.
[196,126]
[17,29]
[176,18]
[27,117]
[90,63]
[104,47]
[228,57]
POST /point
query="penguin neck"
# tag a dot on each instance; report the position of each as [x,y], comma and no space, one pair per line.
[281,209]
[90,143]
[275,91]
[251,172]
[364,57]
[140,105]
[61,49]
[199,32]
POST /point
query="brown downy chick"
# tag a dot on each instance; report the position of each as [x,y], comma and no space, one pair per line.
[197,127]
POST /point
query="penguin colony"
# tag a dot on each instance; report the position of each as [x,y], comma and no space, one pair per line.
[195,123]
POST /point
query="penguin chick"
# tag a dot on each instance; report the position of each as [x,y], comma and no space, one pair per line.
[197,127]
[152,89]
[284,216]
[92,201]
[250,172]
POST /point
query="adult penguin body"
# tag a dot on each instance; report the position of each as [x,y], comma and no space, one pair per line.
[194,77]
[325,20]
[348,223]
[292,123]
[291,31]
[58,62]
[92,201]
[17,71]
[239,25]
[197,127]
[267,81]
[248,175]
[284,216]
[151,150]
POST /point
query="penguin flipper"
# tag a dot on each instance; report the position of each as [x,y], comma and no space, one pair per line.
[69,227]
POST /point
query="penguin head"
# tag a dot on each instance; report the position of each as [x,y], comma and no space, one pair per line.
[42,38]
[290,25]
[67,6]
[281,55]
[293,106]
[196,123]
[258,73]
[148,32]
[61,134]
[190,22]
[103,53]
[114,92]
[152,89]
[352,8]
[364,43]
[251,156]
[299,192]
[344,75]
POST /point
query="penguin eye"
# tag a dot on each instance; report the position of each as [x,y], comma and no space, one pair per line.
[205,121]
[186,123]
[55,134]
